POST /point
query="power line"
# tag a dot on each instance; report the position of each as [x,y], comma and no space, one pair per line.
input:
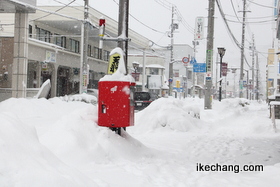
[251,17]
[261,4]
[227,26]
[66,5]
[181,19]
[165,4]
[234,10]
[229,30]
[155,30]
[264,21]
[47,11]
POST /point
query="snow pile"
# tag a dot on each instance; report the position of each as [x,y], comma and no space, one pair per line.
[253,117]
[43,142]
[169,113]
[57,143]
[80,97]
[25,161]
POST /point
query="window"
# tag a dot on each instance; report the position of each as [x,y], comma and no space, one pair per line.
[106,55]
[43,35]
[154,71]
[278,86]
[74,46]
[30,31]
[97,53]
[89,51]
[60,40]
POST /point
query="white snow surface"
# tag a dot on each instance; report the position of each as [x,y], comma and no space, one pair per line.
[58,143]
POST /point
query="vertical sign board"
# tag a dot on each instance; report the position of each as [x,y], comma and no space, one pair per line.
[113,63]
[209,54]
[199,28]
[224,69]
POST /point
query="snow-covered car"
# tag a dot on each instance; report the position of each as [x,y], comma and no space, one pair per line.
[142,100]
[93,92]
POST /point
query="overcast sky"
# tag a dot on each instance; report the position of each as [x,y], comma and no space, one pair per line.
[152,18]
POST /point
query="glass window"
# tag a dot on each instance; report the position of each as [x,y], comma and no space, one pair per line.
[96,53]
[89,50]
[106,55]
[74,46]
[43,35]
[30,31]
[155,71]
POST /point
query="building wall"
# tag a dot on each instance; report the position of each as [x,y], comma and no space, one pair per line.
[64,71]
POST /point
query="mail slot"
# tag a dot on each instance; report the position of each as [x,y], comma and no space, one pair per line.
[116,104]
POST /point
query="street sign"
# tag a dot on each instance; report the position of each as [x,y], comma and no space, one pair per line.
[199,67]
[185,60]
[193,60]
[209,61]
[199,28]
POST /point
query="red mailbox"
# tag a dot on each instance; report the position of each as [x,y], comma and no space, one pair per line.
[116,104]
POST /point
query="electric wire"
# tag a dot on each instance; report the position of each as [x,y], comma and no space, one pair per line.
[234,11]
[261,4]
[55,11]
[251,17]
[181,19]
[47,11]
[229,30]
[155,30]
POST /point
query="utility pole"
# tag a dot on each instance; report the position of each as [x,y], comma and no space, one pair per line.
[253,66]
[193,75]
[242,51]
[209,56]
[123,28]
[171,55]
[84,55]
[257,78]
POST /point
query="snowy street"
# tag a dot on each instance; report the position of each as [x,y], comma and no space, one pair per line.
[58,143]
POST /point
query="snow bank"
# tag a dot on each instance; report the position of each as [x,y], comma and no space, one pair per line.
[48,143]
[80,97]
[57,143]
[168,113]
[253,117]
[24,160]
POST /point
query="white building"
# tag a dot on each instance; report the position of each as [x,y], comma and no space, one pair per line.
[40,43]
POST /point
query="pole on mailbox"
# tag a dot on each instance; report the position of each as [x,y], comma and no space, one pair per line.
[123,28]
[221,51]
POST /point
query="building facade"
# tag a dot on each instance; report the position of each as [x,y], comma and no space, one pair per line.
[50,43]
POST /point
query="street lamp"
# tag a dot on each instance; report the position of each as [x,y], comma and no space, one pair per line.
[221,51]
